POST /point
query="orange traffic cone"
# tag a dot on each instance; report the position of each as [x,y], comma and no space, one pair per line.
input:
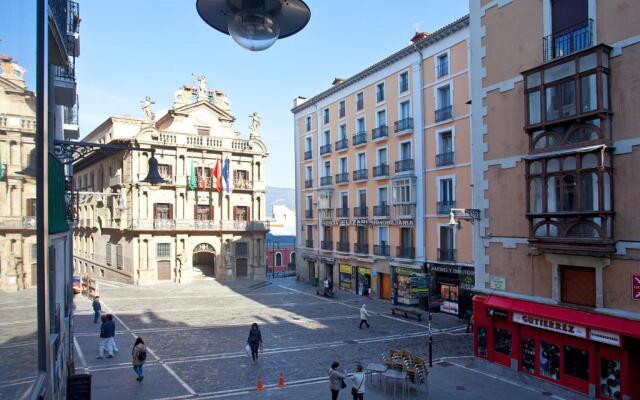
[260,384]
[281,383]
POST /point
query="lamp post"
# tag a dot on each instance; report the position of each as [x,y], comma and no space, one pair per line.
[427,270]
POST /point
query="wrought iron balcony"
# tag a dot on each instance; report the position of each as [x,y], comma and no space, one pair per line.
[568,41]
[444,207]
[381,250]
[342,177]
[442,68]
[342,246]
[68,72]
[360,138]
[342,212]
[380,96]
[342,144]
[326,180]
[308,155]
[73,17]
[361,248]
[380,170]
[200,225]
[360,211]
[308,213]
[360,174]
[404,165]
[446,254]
[381,210]
[444,159]
[309,243]
[59,11]
[380,132]
[405,124]
[326,245]
[444,113]
[308,183]
[405,252]
[405,210]
[325,149]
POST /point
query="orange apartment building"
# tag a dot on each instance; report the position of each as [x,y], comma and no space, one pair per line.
[555,154]
[381,158]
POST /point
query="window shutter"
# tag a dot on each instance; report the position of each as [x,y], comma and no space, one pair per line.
[170,211]
[195,212]
[235,213]
[247,218]
[155,211]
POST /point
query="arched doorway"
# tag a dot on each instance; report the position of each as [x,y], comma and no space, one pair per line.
[204,260]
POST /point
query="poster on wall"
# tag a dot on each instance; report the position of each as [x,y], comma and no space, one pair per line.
[635,287]
[449,307]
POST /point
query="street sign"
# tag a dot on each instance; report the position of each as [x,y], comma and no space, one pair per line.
[419,287]
[635,287]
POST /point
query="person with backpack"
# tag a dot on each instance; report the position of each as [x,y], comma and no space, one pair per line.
[104,339]
[357,391]
[336,380]
[254,341]
[111,330]
[97,309]
[139,356]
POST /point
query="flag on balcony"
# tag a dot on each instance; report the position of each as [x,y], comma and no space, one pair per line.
[216,182]
[192,178]
[225,174]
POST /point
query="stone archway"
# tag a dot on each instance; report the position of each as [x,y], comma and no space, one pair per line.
[204,260]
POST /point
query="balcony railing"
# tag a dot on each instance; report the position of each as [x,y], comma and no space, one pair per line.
[404,165]
[381,210]
[404,85]
[342,212]
[405,252]
[326,245]
[342,144]
[308,183]
[444,207]
[18,223]
[326,180]
[381,250]
[242,184]
[360,211]
[309,243]
[308,213]
[405,210]
[342,112]
[444,113]
[68,72]
[444,159]
[73,17]
[71,114]
[380,170]
[405,124]
[380,96]
[172,224]
[342,177]
[568,41]
[360,174]
[308,155]
[359,105]
[446,254]
[442,69]
[342,246]
[361,248]
[360,138]
[59,11]
[325,149]
[325,212]
[380,132]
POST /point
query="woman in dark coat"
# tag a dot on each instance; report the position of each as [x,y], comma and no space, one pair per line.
[254,341]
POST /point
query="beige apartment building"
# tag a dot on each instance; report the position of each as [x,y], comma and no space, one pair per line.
[189,226]
[381,158]
[556,150]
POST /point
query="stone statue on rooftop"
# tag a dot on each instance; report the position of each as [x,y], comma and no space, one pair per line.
[254,125]
[147,114]
[201,89]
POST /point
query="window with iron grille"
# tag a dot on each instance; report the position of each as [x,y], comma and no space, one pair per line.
[119,259]
[163,250]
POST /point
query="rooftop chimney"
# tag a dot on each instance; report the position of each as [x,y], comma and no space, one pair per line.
[337,81]
[419,36]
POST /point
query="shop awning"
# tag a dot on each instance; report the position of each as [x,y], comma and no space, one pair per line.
[619,325]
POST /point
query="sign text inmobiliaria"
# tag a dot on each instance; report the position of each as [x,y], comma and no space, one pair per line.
[365,221]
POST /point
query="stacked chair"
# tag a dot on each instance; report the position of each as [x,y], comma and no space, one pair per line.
[415,366]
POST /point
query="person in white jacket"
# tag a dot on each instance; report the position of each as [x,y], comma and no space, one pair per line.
[364,314]
[357,389]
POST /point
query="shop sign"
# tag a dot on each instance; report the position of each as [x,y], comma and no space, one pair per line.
[497,313]
[604,337]
[373,222]
[497,282]
[407,271]
[346,269]
[449,307]
[364,271]
[468,282]
[551,325]
[635,287]
[419,286]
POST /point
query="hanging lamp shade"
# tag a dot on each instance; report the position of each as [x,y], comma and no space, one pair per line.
[255,24]
[153,176]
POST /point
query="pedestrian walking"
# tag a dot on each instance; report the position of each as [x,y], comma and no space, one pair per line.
[364,314]
[357,391]
[254,341]
[104,339]
[97,309]
[111,342]
[469,316]
[336,380]
[139,356]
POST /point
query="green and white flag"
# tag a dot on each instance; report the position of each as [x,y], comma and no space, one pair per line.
[192,178]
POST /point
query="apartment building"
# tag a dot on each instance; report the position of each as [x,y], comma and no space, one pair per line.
[206,220]
[381,158]
[556,150]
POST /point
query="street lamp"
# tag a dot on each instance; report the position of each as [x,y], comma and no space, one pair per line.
[468,214]
[255,24]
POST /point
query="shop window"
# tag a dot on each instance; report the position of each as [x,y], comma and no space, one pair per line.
[576,362]
[549,360]
[502,341]
[529,355]
[481,341]
[449,292]
[610,378]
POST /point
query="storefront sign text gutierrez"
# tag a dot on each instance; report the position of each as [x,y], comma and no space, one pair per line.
[365,221]
[551,325]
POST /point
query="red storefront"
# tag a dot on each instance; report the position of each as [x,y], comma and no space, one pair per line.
[595,354]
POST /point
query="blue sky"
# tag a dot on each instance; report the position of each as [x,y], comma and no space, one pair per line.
[132,49]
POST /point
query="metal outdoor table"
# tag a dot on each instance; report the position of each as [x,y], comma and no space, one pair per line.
[375,368]
[396,376]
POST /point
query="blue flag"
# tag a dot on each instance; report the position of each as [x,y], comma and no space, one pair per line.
[225,174]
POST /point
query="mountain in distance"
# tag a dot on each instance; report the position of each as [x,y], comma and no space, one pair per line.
[283,196]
